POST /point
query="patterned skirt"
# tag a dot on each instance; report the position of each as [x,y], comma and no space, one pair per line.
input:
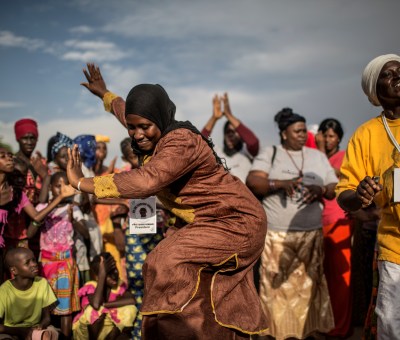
[61,271]
[293,288]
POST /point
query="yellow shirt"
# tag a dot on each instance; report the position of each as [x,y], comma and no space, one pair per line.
[23,308]
[369,153]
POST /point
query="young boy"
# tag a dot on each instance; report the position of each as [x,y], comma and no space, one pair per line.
[26,300]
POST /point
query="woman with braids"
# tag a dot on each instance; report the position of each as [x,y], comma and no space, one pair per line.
[199,279]
[292,181]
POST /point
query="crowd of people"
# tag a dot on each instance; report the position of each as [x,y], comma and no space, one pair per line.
[249,242]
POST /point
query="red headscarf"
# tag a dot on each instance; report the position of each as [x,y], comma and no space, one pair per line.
[24,126]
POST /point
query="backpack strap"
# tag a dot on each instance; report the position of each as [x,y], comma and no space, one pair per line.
[273,154]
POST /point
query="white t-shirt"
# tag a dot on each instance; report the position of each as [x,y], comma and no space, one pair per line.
[286,213]
[239,164]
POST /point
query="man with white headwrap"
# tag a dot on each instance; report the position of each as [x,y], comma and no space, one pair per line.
[372,151]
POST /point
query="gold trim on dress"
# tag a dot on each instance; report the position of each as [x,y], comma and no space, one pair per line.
[107,101]
[104,186]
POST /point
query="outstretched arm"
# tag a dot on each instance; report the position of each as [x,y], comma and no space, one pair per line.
[96,84]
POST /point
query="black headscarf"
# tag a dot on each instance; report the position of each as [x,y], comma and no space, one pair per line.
[152,102]
[287,117]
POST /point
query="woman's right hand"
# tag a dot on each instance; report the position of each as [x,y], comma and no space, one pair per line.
[366,191]
[96,83]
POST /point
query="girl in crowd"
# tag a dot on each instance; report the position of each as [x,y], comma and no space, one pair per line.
[292,180]
[108,308]
[337,231]
[13,200]
[200,274]
[240,143]
[56,255]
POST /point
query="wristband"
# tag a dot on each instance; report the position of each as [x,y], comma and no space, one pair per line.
[79,184]
[37,224]
[271,184]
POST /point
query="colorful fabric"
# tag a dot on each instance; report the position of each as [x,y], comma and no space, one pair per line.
[332,212]
[61,271]
[119,317]
[371,139]
[23,308]
[61,141]
[57,231]
[136,248]
[337,268]
[293,287]
[17,223]
[25,126]
[87,149]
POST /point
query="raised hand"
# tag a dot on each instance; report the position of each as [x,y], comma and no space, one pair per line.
[217,113]
[227,108]
[95,82]
[39,165]
[74,166]
[111,167]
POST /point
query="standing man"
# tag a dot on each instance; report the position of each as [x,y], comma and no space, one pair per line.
[367,175]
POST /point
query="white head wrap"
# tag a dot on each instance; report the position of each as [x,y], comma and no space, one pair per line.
[371,74]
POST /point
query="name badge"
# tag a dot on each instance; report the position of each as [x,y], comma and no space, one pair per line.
[142,216]
[396,185]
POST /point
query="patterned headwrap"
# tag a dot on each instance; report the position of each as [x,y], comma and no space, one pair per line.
[87,149]
[24,126]
[61,140]
[371,74]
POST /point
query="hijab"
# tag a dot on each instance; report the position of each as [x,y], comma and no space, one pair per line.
[153,103]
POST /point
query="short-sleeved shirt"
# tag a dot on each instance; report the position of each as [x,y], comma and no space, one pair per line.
[23,308]
[57,231]
[289,213]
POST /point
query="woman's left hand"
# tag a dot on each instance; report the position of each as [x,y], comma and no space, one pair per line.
[312,193]
[74,166]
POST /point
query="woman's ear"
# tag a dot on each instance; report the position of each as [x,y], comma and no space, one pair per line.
[284,136]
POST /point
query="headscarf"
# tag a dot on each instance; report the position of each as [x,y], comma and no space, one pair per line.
[287,117]
[102,139]
[24,126]
[152,102]
[61,140]
[87,149]
[371,74]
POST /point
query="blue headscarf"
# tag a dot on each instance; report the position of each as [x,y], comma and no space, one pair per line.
[87,149]
[60,141]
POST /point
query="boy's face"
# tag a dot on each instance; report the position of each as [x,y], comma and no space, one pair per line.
[25,265]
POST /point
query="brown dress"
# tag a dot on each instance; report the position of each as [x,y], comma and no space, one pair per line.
[199,279]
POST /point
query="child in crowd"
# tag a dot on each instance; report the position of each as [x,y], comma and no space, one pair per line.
[13,199]
[26,300]
[108,308]
[56,243]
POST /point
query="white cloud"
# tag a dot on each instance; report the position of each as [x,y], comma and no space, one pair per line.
[92,50]
[9,39]
[10,105]
[81,29]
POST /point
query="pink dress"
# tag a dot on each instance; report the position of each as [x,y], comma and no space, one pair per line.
[4,215]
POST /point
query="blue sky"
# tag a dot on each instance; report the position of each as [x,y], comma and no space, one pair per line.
[305,54]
